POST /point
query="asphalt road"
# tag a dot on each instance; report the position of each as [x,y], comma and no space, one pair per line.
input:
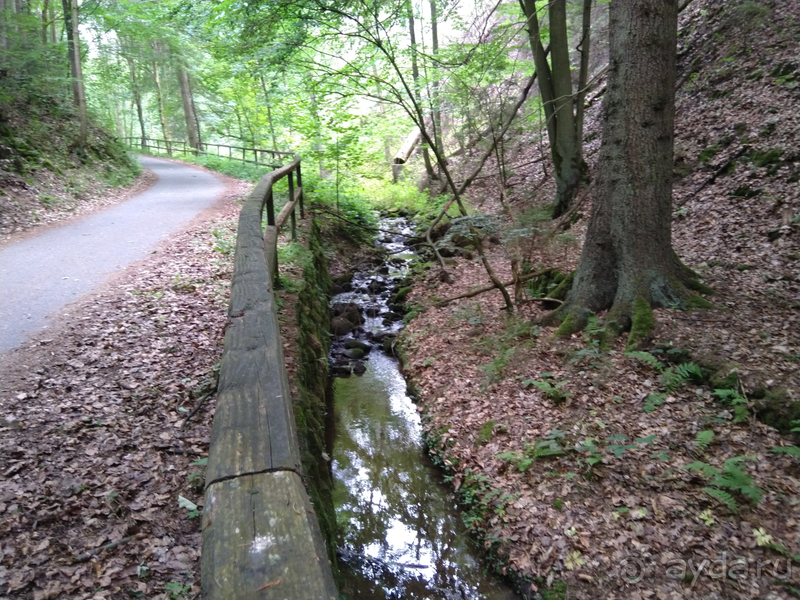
[40,275]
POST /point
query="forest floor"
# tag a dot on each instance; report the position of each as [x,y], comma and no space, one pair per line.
[98,436]
[595,474]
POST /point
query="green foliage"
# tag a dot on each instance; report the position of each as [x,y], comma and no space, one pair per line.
[227,166]
[494,368]
[225,240]
[736,401]
[672,377]
[703,440]
[731,478]
[553,392]
[486,433]
[176,589]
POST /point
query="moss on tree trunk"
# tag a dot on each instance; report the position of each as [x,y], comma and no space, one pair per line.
[628,265]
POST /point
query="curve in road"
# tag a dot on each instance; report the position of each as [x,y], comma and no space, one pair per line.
[42,274]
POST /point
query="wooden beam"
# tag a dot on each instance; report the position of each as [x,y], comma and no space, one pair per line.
[261,540]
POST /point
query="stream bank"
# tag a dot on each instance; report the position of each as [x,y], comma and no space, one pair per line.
[400,533]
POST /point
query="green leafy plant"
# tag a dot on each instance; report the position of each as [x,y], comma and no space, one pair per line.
[672,377]
[539,449]
[736,401]
[177,589]
[191,507]
[703,440]
[730,478]
[553,392]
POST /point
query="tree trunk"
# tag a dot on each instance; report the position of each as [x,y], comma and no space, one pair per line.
[44,21]
[161,116]
[415,75]
[555,86]
[137,96]
[437,115]
[74,45]
[188,109]
[269,114]
[583,76]
[66,5]
[628,264]
[52,24]
[3,27]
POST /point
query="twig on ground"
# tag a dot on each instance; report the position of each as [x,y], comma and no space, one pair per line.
[193,412]
[110,546]
[488,288]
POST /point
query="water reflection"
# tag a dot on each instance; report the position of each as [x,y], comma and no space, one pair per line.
[401,533]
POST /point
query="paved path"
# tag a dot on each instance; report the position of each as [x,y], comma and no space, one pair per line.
[41,275]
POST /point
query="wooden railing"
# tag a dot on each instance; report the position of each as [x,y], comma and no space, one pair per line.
[261,538]
[260,156]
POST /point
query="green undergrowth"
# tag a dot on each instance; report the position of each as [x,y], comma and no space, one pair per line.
[479,502]
[227,166]
[315,397]
[39,132]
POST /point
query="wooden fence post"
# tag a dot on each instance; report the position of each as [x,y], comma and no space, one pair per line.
[300,187]
[291,199]
[270,208]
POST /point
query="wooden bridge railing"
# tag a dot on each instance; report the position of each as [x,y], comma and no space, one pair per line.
[261,537]
[168,147]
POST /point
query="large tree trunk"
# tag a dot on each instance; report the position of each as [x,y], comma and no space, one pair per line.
[583,76]
[66,5]
[437,115]
[3,28]
[188,108]
[628,264]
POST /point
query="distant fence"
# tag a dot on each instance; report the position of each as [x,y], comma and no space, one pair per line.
[254,156]
[261,537]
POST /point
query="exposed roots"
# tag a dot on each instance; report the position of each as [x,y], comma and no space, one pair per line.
[635,314]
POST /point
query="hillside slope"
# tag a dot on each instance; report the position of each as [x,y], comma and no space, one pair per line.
[592,474]
[44,176]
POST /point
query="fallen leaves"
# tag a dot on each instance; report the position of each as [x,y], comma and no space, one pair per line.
[94,455]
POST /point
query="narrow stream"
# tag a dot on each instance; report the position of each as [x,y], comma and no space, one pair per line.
[401,533]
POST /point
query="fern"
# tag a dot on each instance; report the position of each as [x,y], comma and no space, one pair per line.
[690,372]
[545,448]
[646,358]
[790,450]
[723,497]
[675,377]
[735,400]
[707,470]
[729,477]
[703,440]
[653,400]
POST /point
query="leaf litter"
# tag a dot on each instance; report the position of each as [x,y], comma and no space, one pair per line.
[597,492]
[102,474]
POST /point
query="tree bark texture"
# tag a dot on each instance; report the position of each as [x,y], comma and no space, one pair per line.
[555,86]
[627,263]
[77,73]
[583,76]
[160,97]
[66,5]
[415,76]
[137,96]
[188,108]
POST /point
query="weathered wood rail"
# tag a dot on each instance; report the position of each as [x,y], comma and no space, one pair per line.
[261,538]
[260,156]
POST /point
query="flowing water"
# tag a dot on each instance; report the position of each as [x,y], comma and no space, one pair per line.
[401,533]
